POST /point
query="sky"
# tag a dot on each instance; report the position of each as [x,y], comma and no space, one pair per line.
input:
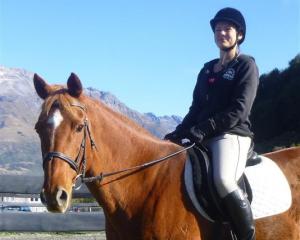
[147,53]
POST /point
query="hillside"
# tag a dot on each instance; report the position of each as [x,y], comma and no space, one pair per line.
[276,115]
[19,108]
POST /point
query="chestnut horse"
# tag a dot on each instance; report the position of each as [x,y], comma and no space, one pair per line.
[145,203]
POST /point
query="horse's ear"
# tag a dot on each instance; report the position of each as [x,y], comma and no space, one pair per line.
[41,87]
[74,85]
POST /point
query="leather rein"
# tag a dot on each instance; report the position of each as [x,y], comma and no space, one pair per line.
[79,164]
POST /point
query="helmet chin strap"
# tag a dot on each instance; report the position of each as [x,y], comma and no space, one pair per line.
[226,52]
[227,49]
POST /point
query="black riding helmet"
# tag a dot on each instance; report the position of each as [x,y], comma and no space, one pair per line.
[233,16]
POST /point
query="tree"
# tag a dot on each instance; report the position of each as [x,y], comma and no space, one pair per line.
[276,115]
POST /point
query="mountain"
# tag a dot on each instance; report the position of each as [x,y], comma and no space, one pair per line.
[19,109]
[158,126]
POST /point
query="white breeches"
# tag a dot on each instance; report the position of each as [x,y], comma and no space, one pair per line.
[229,156]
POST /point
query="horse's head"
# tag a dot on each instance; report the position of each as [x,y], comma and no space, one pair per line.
[63,130]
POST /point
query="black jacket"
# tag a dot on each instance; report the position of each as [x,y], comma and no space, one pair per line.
[224,99]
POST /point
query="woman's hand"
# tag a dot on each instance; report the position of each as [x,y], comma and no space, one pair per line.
[174,136]
[196,134]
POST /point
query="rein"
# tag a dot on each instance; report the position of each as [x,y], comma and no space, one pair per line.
[138,167]
[75,164]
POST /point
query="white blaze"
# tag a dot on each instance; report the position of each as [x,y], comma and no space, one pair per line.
[56,119]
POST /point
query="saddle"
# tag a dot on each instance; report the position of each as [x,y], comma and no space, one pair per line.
[203,182]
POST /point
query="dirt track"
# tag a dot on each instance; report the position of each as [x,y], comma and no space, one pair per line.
[53,236]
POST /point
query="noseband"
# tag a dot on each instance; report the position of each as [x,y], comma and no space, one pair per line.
[81,156]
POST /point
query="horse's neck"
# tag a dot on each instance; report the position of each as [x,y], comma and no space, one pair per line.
[121,140]
[121,144]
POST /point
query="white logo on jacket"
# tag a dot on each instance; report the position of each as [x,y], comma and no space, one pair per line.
[229,74]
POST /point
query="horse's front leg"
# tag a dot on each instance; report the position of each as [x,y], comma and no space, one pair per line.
[111,234]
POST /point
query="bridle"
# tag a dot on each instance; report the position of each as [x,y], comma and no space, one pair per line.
[79,164]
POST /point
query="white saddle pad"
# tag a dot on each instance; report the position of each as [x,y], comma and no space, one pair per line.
[270,189]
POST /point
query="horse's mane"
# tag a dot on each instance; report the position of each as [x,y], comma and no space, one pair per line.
[60,97]
[119,117]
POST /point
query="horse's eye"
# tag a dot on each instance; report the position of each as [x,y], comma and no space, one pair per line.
[79,127]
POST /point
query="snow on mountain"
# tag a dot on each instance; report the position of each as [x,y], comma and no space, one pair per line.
[19,108]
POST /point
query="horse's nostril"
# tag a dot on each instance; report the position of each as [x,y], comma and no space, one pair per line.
[61,197]
[64,196]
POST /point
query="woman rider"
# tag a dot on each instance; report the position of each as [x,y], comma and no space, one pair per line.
[219,116]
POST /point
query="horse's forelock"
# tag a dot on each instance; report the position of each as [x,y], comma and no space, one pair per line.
[61,100]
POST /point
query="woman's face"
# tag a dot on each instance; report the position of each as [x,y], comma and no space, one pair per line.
[225,35]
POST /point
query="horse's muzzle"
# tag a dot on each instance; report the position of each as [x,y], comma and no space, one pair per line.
[56,202]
